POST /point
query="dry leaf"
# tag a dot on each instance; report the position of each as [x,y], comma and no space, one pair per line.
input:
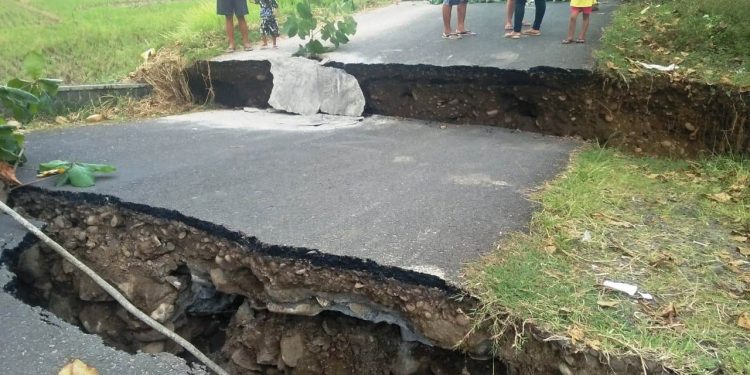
[594,344]
[611,65]
[725,80]
[744,320]
[8,174]
[607,303]
[95,118]
[576,334]
[720,197]
[550,249]
[669,312]
[77,367]
[744,250]
[738,238]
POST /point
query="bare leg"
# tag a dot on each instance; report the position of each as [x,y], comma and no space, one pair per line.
[572,25]
[273,38]
[585,26]
[265,41]
[461,27]
[243,31]
[230,30]
[510,8]
[447,18]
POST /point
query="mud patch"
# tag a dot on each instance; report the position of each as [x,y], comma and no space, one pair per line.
[651,115]
[266,309]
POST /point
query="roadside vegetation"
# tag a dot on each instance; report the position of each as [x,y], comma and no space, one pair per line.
[678,230]
[97,41]
[708,39]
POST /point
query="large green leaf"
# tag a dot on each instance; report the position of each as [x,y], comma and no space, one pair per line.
[304,10]
[80,176]
[33,65]
[314,47]
[54,164]
[98,168]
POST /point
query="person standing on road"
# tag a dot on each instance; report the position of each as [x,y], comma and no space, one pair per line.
[576,7]
[510,8]
[230,9]
[541,8]
[460,17]
[268,25]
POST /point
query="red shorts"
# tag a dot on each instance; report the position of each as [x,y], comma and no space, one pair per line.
[585,10]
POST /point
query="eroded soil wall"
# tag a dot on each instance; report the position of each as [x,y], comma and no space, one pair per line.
[649,115]
[267,309]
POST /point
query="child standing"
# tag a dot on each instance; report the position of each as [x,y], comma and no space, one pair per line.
[230,9]
[268,24]
[576,7]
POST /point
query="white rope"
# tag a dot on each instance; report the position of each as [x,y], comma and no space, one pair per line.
[112,291]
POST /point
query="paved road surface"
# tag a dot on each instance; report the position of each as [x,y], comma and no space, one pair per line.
[403,193]
[410,33]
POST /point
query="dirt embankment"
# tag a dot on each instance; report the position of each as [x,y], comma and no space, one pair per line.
[650,115]
[268,309]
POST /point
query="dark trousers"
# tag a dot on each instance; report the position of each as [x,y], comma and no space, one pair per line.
[541,7]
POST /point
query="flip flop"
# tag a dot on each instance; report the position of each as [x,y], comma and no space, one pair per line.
[513,35]
[229,50]
[248,48]
[532,32]
[451,36]
[580,41]
[567,41]
[467,33]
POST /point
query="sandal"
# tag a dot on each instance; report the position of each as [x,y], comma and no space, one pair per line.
[567,41]
[513,35]
[229,50]
[532,32]
[466,33]
[580,41]
[451,36]
[248,48]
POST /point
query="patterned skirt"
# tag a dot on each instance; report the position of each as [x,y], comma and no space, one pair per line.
[268,25]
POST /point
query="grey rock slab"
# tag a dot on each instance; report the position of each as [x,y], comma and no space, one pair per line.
[305,87]
[411,194]
[410,33]
[34,341]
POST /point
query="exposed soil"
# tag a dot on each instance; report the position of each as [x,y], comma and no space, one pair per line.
[648,115]
[267,309]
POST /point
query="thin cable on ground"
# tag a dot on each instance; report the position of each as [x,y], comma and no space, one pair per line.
[113,292]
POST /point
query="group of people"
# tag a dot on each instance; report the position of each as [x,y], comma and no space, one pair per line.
[268,26]
[515,26]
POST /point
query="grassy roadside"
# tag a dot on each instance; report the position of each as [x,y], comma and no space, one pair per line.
[97,41]
[708,39]
[679,230]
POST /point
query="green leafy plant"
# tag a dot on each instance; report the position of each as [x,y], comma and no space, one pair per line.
[74,173]
[316,21]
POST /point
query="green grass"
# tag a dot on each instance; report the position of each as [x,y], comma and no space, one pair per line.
[102,40]
[653,223]
[708,39]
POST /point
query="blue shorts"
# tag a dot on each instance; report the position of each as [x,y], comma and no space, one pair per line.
[454,2]
[231,7]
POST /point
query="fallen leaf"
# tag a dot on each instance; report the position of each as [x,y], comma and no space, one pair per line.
[594,344]
[720,197]
[611,65]
[95,118]
[61,120]
[576,334]
[744,250]
[77,367]
[725,80]
[669,312]
[738,238]
[607,303]
[8,174]
[550,249]
[744,320]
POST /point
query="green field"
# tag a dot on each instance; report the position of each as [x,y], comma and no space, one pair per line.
[101,40]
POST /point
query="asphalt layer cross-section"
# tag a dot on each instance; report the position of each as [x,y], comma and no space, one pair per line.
[410,33]
[415,195]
